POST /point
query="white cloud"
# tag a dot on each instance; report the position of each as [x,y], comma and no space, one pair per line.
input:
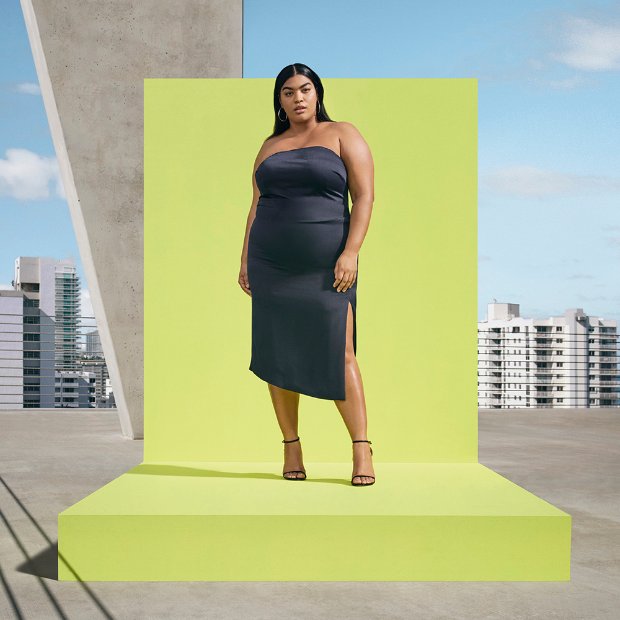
[590,46]
[583,297]
[25,175]
[530,181]
[28,88]
[567,83]
[581,276]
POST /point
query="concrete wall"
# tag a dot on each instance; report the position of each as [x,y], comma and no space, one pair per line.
[91,59]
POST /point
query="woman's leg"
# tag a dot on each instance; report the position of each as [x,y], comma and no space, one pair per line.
[353,409]
[286,406]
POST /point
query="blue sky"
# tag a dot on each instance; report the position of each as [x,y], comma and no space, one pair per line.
[549,184]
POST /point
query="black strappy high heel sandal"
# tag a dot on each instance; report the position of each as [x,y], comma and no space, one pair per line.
[363,484]
[295,471]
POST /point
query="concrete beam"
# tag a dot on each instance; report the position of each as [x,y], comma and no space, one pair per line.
[91,59]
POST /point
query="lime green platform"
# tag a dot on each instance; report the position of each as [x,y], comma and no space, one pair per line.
[242,522]
[209,502]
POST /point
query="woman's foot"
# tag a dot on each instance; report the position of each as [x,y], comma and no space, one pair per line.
[362,464]
[293,460]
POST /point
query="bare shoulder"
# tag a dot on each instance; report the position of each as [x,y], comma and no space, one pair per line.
[266,149]
[352,143]
[346,127]
[269,144]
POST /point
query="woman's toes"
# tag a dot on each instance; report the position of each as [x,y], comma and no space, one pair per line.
[293,475]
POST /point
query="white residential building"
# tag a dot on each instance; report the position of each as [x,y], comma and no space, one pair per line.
[93,344]
[75,389]
[562,361]
[11,350]
[50,293]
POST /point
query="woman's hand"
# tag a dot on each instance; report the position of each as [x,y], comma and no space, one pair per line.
[244,282]
[345,270]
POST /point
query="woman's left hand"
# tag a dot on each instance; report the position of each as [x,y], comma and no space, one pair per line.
[345,270]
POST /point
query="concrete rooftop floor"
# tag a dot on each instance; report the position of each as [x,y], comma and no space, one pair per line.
[52,459]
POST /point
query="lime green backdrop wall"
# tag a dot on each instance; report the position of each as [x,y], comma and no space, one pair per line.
[417,280]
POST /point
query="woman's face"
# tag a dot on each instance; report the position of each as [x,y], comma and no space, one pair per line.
[298,92]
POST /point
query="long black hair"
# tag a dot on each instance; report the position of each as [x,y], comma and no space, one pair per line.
[281,126]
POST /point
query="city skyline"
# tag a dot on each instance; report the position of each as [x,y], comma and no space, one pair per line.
[559,361]
[49,360]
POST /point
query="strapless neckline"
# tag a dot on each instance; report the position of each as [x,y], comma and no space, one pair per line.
[301,148]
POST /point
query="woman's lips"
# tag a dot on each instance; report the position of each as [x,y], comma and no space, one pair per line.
[300,109]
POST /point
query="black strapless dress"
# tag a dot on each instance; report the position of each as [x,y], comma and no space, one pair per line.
[300,230]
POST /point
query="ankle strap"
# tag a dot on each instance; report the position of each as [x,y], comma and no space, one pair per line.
[358,440]
[290,440]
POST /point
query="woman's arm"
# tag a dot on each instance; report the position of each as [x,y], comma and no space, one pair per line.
[360,171]
[244,281]
[252,213]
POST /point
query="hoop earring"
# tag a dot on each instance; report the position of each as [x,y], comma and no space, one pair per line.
[285,117]
[318,103]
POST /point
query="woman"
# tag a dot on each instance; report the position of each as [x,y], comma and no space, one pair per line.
[299,263]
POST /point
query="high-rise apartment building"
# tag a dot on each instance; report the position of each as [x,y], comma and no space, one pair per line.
[93,344]
[43,312]
[12,375]
[562,361]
